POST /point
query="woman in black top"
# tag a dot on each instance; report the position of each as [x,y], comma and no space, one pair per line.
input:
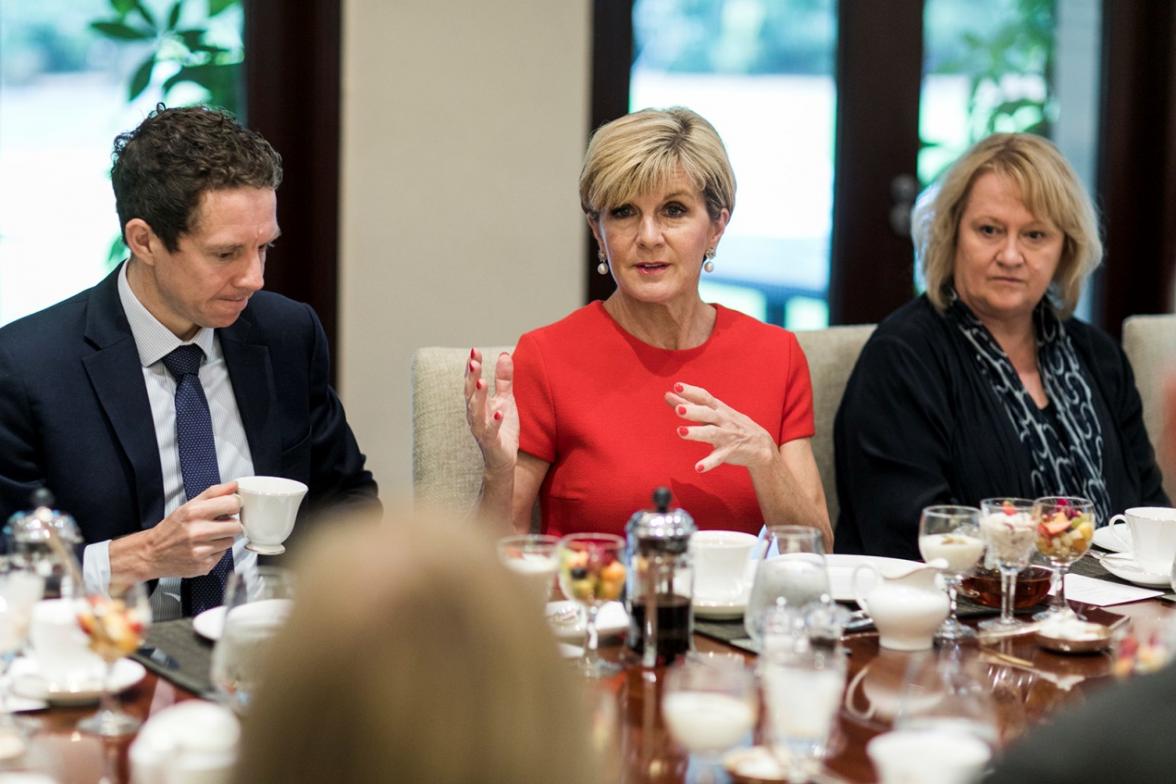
[984,386]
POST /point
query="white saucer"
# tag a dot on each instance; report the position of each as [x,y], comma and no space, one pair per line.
[28,682]
[1123,566]
[1105,538]
[210,623]
[719,609]
[610,620]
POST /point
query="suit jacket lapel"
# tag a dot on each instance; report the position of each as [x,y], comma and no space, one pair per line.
[117,379]
[253,387]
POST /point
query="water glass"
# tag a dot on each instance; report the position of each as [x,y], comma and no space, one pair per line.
[802,694]
[951,533]
[709,705]
[257,604]
[792,573]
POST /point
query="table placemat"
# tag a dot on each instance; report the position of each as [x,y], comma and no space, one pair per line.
[731,632]
[175,652]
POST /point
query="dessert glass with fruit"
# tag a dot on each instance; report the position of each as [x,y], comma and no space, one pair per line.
[1009,533]
[592,572]
[1065,528]
[951,533]
[116,625]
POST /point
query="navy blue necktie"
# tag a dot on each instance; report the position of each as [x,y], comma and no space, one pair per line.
[198,467]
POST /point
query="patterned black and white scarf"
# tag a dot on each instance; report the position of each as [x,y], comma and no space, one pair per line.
[1061,466]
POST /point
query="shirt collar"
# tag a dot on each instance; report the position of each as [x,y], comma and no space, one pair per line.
[153,340]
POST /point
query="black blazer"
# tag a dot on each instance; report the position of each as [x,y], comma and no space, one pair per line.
[919,424]
[75,417]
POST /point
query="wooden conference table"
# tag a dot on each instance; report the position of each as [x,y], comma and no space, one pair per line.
[1027,683]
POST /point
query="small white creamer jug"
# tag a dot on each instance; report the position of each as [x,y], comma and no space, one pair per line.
[904,601]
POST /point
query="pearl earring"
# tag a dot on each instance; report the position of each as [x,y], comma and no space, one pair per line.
[709,264]
[602,266]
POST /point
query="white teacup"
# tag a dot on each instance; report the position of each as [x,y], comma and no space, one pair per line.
[269,506]
[928,756]
[722,565]
[1153,536]
[61,648]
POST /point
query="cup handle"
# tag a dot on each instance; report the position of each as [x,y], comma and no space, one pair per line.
[1118,537]
[857,593]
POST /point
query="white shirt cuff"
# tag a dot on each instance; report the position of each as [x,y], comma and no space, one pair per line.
[96,567]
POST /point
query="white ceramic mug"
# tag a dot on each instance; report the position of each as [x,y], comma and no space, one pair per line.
[927,756]
[269,506]
[1153,536]
[722,565]
[61,648]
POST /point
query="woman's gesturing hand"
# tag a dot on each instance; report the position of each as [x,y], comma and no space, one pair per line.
[494,421]
[736,438]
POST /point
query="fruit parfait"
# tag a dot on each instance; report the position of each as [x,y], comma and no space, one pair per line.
[1065,528]
[592,571]
[1006,526]
[116,626]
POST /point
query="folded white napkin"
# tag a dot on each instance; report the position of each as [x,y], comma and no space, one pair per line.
[190,741]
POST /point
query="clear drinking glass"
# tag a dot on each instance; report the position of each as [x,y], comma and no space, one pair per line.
[116,625]
[802,694]
[532,557]
[1065,528]
[709,705]
[591,572]
[1008,531]
[20,589]
[951,533]
[257,604]
[792,572]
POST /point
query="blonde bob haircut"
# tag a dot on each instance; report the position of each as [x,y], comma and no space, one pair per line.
[1049,189]
[643,151]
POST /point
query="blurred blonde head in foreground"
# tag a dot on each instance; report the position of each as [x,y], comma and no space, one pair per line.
[413,656]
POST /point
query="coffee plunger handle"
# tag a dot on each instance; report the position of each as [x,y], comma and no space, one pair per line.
[661,499]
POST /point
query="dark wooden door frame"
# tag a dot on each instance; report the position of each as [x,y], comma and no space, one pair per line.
[612,63]
[292,88]
[1137,159]
[879,78]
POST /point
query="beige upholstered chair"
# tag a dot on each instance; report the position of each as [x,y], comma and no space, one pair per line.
[1150,344]
[446,464]
[448,469]
[831,355]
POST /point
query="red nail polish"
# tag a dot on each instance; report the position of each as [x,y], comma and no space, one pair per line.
[682,431]
[472,350]
[678,387]
[698,468]
[681,410]
[497,416]
[471,367]
[481,385]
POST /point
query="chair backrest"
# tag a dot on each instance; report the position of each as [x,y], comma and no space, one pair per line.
[1150,344]
[447,467]
[831,355]
[446,464]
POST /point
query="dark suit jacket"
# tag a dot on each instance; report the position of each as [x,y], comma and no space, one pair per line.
[74,413]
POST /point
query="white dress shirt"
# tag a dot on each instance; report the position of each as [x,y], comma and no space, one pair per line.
[154,341]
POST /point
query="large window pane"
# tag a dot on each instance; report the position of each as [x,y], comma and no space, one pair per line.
[65,91]
[1022,65]
[762,72]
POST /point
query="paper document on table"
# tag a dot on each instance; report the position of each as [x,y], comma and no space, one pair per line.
[1103,593]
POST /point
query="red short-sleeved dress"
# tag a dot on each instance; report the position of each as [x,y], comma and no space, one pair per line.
[591,403]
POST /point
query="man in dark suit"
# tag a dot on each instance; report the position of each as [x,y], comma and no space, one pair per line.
[98,405]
